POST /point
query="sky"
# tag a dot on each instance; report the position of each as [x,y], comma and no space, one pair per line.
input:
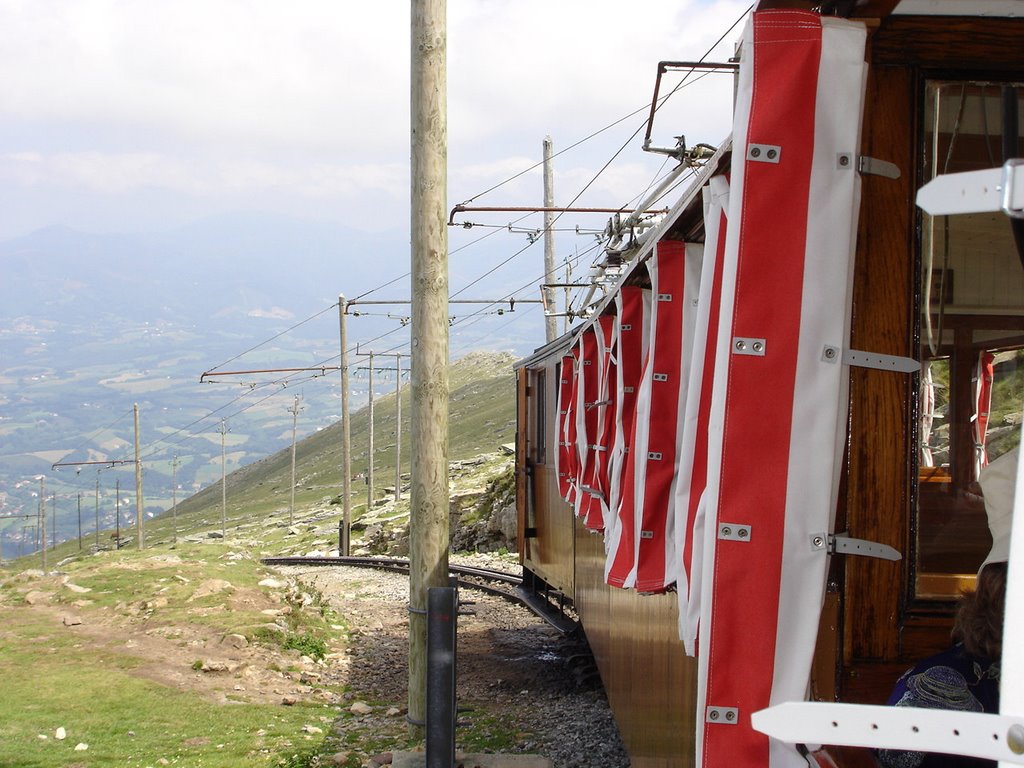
[137,115]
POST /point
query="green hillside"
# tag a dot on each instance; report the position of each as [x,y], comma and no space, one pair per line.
[482,418]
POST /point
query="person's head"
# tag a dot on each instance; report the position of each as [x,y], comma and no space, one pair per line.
[979,619]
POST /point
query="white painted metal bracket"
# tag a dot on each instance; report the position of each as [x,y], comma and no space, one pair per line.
[764,153]
[734,532]
[742,345]
[722,715]
[993,737]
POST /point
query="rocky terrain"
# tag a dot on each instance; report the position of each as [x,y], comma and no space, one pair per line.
[203,616]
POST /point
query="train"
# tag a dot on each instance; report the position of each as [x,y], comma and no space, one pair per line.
[752,465]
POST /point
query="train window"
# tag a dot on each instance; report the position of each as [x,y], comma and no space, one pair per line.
[972,337]
[540,425]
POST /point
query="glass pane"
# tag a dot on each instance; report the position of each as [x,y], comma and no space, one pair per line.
[972,339]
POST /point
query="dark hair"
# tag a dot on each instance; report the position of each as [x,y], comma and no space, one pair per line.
[979,619]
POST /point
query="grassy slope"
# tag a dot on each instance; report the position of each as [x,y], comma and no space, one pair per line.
[482,417]
[47,676]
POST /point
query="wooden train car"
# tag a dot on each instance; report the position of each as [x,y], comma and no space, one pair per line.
[941,95]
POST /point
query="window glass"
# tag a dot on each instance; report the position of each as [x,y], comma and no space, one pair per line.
[540,425]
[972,338]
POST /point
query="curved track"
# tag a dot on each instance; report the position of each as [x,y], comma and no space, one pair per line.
[481,579]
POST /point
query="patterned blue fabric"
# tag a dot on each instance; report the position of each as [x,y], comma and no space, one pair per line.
[955,680]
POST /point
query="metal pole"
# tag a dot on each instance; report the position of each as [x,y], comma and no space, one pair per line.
[53,521]
[174,496]
[117,513]
[550,322]
[442,615]
[369,458]
[97,510]
[42,516]
[295,422]
[346,435]
[398,429]
[223,480]
[140,505]
[79,520]
[568,296]
[428,560]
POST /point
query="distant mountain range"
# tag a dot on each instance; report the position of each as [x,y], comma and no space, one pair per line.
[92,323]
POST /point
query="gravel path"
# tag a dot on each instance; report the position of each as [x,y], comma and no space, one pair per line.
[515,673]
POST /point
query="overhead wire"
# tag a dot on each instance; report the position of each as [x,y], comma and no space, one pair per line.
[92,435]
[274,337]
[476,316]
[685,81]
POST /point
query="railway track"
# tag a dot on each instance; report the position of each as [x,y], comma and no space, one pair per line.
[470,577]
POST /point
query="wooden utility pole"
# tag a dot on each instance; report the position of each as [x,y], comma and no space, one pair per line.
[428,556]
[174,496]
[346,434]
[41,525]
[140,505]
[294,411]
[223,480]
[550,321]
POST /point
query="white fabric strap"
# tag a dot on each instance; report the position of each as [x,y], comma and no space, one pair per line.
[993,189]
[993,737]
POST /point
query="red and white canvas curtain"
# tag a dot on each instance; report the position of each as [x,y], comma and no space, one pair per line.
[779,401]
[601,403]
[642,548]
[693,442]
[633,313]
[566,459]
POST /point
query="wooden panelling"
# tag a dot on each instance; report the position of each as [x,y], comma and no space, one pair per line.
[524,482]
[550,553]
[953,42]
[877,502]
[650,682]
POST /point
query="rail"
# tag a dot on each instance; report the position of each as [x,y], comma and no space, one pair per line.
[470,577]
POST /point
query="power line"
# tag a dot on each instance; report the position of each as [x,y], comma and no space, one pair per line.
[92,435]
[275,336]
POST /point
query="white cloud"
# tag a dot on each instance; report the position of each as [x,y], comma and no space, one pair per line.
[229,99]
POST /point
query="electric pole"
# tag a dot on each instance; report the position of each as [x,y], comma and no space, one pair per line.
[369,459]
[174,496]
[428,557]
[41,526]
[294,411]
[346,435]
[139,504]
[223,480]
[550,321]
